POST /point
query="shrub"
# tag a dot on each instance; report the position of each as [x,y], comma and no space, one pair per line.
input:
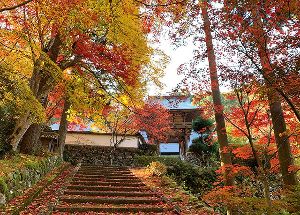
[195,179]
[200,148]
[169,182]
[148,149]
[201,124]
[22,171]
[292,200]
[157,169]
[146,160]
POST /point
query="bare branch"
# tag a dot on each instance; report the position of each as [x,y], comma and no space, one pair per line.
[161,5]
[15,6]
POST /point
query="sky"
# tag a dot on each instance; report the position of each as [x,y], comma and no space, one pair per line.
[177,56]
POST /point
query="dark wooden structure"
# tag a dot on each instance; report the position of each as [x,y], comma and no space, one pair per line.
[182,127]
[49,140]
[183,114]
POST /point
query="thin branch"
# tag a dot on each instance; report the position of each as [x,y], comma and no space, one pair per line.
[15,6]
[161,5]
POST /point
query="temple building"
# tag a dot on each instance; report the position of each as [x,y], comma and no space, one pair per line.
[183,113]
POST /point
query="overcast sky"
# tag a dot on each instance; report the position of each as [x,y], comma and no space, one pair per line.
[177,56]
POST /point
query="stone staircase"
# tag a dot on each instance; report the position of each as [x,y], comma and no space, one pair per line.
[109,190]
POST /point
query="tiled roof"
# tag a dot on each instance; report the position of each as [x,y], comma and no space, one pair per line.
[175,102]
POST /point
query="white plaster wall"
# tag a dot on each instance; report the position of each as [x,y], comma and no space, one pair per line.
[99,140]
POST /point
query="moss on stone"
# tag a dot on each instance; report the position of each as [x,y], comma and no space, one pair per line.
[3,186]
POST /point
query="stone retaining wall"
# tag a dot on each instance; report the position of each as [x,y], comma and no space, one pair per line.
[100,155]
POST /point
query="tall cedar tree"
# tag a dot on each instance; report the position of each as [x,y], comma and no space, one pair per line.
[179,10]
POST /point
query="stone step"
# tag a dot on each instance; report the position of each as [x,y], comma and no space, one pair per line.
[103,167]
[114,210]
[84,179]
[88,179]
[109,193]
[89,176]
[105,172]
[103,183]
[106,188]
[100,176]
[105,200]
[120,177]
[133,179]
[113,175]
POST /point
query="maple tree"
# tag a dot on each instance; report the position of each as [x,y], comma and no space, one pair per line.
[121,118]
[150,117]
[90,38]
[260,32]
[250,119]
[218,107]
[155,119]
[247,112]
[268,24]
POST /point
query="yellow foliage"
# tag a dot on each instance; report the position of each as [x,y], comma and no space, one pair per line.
[24,48]
[156,169]
[16,96]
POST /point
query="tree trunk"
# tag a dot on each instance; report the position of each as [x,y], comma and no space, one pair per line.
[63,128]
[24,122]
[279,126]
[216,95]
[20,128]
[282,140]
[31,139]
[40,85]
[261,170]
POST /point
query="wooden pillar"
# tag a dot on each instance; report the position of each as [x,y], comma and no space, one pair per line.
[187,139]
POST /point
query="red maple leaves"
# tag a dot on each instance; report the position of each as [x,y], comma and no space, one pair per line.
[155,120]
[111,59]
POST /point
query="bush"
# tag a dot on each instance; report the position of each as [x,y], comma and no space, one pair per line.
[194,179]
[201,124]
[146,160]
[157,169]
[292,200]
[148,149]
[199,148]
